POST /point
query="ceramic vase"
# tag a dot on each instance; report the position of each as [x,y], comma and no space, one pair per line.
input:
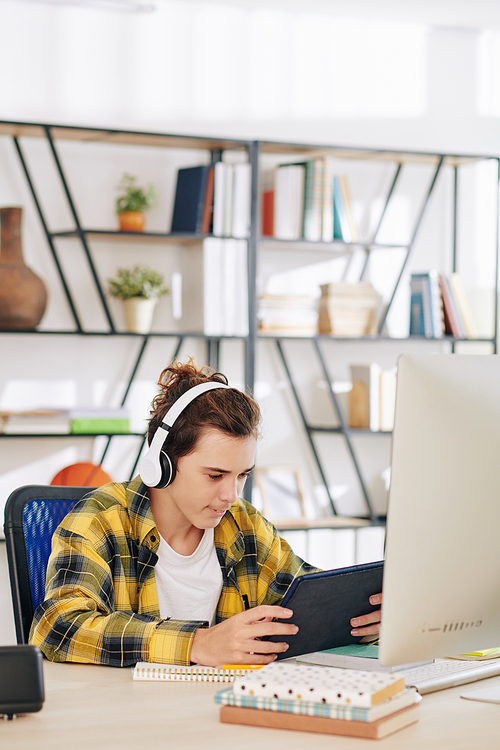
[139,314]
[23,296]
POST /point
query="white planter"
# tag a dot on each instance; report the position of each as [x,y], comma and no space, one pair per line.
[139,314]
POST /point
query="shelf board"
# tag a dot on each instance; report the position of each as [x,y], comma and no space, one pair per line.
[375,339]
[112,235]
[151,334]
[329,522]
[349,430]
[340,246]
[370,154]
[125,137]
[71,435]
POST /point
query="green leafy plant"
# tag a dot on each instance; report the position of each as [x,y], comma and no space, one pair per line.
[139,281]
[134,198]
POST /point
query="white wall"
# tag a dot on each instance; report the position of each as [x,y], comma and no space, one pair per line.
[212,69]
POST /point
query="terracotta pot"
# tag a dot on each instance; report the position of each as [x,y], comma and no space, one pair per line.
[23,296]
[139,314]
[132,221]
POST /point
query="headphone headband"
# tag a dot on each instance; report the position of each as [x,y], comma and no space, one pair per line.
[152,467]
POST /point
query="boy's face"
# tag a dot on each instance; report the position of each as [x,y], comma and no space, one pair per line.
[211,478]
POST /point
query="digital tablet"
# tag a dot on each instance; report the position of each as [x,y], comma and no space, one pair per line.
[323,605]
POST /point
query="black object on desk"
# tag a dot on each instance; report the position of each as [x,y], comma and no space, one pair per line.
[323,605]
[21,680]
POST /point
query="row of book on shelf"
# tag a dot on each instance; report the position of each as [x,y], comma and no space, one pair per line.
[439,307]
[302,697]
[307,200]
[75,421]
[343,309]
[213,199]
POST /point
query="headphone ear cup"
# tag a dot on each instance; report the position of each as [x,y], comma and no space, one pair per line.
[167,470]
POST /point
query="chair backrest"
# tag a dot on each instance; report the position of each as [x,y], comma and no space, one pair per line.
[32,514]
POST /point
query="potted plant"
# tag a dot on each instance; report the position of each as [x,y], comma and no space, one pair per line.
[132,202]
[139,288]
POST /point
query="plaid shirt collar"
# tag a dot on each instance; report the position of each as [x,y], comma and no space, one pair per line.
[228,536]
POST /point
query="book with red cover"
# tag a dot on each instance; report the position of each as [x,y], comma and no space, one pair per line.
[268,213]
[299,722]
[208,208]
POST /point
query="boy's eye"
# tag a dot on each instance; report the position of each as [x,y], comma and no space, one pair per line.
[215,476]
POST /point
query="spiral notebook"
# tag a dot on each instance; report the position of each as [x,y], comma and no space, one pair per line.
[147,671]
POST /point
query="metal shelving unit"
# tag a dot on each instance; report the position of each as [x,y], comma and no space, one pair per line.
[437,162]
[255,150]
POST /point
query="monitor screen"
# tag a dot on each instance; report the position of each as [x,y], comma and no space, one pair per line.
[441,589]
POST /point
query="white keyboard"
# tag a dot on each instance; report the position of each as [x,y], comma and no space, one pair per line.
[447,673]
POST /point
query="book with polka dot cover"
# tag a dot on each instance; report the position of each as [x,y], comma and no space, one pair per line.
[335,686]
[324,700]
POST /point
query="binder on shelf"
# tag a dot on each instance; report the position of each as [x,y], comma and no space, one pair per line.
[219,191]
[364,397]
[225,287]
[463,306]
[289,201]
[189,203]
[341,226]
[207,218]
[268,213]
[242,184]
[313,199]
[452,319]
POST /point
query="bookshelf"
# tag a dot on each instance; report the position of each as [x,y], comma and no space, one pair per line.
[378,178]
[444,180]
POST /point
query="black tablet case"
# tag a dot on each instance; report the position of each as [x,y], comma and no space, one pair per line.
[323,605]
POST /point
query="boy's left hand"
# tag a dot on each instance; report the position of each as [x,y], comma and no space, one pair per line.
[368,626]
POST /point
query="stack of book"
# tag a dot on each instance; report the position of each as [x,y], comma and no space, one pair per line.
[439,307]
[325,700]
[372,399]
[287,314]
[35,422]
[76,421]
[99,420]
[348,310]
[213,199]
[308,201]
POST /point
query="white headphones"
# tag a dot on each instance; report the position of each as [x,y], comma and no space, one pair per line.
[155,467]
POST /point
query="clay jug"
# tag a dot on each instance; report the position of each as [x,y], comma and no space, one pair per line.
[23,296]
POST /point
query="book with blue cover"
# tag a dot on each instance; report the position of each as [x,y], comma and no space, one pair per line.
[189,201]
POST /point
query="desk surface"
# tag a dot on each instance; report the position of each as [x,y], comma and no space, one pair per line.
[90,707]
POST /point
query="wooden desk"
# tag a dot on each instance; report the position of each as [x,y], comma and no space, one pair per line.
[88,708]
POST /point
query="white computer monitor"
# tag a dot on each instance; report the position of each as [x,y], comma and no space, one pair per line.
[441,590]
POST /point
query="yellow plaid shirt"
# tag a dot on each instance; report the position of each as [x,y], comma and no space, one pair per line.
[101,604]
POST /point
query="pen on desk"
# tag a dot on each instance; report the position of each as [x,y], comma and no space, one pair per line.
[242,666]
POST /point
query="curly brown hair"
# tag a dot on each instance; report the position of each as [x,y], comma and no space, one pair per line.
[225,409]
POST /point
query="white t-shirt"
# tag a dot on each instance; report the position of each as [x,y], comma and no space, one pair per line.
[189,586]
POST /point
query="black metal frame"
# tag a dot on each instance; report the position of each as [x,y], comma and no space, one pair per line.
[372,245]
[254,149]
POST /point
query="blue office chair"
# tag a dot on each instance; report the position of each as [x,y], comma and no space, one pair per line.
[32,514]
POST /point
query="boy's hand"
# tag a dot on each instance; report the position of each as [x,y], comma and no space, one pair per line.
[368,625]
[235,641]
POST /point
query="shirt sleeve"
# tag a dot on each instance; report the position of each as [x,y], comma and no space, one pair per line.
[87,615]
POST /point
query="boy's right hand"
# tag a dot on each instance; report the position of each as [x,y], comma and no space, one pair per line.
[235,641]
